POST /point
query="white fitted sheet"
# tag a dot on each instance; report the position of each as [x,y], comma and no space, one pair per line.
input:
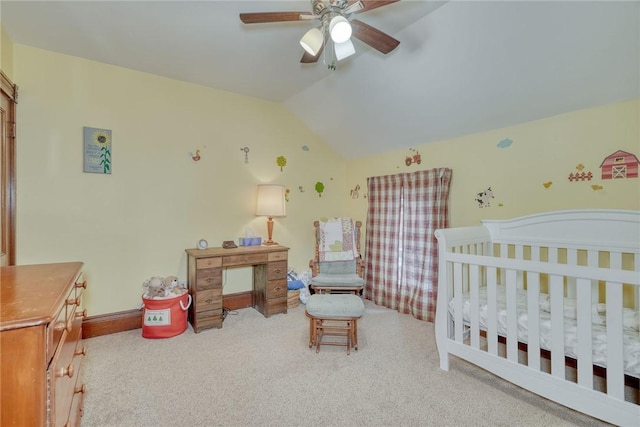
[631,336]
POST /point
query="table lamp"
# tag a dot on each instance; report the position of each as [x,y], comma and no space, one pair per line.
[271,203]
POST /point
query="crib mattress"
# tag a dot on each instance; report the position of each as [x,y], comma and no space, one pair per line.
[631,336]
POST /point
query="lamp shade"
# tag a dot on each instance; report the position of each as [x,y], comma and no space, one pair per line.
[344,50]
[340,29]
[271,200]
[312,41]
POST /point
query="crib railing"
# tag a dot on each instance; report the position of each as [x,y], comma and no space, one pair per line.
[610,277]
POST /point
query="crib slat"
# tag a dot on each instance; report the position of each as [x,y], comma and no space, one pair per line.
[557,321]
[512,316]
[585,351]
[572,259]
[492,311]
[592,261]
[533,320]
[520,274]
[457,294]
[615,368]
[474,312]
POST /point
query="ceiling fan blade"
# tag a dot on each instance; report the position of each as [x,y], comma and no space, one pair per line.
[262,17]
[374,4]
[307,58]
[373,37]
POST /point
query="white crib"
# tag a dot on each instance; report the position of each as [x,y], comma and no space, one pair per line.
[521,298]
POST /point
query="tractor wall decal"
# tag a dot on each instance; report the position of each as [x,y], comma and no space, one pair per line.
[415,158]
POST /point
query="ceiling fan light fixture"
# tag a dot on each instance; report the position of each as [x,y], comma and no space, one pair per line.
[340,29]
[312,41]
[344,50]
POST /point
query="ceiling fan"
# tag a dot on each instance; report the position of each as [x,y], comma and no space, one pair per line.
[335,28]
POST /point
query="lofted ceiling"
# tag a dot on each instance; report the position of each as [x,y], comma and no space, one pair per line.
[462,66]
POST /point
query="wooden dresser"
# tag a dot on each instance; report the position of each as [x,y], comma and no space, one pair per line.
[41,344]
[205,281]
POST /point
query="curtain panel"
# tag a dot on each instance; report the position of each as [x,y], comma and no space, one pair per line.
[402,259]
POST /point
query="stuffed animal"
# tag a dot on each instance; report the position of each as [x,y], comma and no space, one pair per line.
[154,287]
[172,287]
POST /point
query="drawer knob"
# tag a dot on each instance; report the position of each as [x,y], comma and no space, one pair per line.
[81,314]
[277,270]
[61,326]
[82,285]
[277,288]
[81,389]
[74,301]
[68,371]
[81,352]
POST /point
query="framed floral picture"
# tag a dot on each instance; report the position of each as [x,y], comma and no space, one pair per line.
[97,150]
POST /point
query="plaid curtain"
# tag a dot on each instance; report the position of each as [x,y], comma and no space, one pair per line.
[401,249]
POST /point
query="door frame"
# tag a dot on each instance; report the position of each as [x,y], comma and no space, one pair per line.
[8,91]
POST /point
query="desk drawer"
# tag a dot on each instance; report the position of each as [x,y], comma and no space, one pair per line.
[210,299]
[208,278]
[277,270]
[208,263]
[277,289]
[207,319]
[250,259]
[278,256]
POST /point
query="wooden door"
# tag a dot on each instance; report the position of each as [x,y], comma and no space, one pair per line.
[8,99]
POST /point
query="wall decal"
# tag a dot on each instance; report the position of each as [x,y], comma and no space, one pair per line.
[355,193]
[581,175]
[505,143]
[597,187]
[281,161]
[246,154]
[319,188]
[415,158]
[97,150]
[484,198]
[620,165]
[547,184]
[287,191]
[195,157]
[301,189]
[305,148]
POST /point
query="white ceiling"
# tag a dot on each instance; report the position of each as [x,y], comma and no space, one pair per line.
[461,67]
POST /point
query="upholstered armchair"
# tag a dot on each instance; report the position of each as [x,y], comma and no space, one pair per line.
[337,265]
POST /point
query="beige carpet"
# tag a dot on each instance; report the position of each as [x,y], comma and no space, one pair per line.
[260,372]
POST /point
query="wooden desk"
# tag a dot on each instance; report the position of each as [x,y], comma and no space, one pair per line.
[205,281]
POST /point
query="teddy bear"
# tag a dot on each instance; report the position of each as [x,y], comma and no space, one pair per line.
[154,287]
[171,286]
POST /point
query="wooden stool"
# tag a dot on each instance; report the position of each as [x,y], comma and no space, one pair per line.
[334,315]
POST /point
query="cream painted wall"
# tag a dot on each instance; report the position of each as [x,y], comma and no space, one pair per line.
[542,151]
[136,222]
[6,54]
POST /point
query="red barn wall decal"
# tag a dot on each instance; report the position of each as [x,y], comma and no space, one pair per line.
[620,165]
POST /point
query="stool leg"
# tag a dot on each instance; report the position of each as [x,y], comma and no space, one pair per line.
[348,337]
[312,330]
[354,325]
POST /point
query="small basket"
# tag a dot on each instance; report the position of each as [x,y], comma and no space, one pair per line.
[293,298]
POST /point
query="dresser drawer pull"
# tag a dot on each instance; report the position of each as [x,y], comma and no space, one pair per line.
[68,371]
[74,301]
[81,389]
[82,285]
[81,314]
[82,351]
[277,288]
[61,326]
[277,270]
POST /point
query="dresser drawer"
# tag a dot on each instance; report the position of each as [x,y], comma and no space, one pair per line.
[62,375]
[210,299]
[277,289]
[249,259]
[276,305]
[208,278]
[277,270]
[63,321]
[208,263]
